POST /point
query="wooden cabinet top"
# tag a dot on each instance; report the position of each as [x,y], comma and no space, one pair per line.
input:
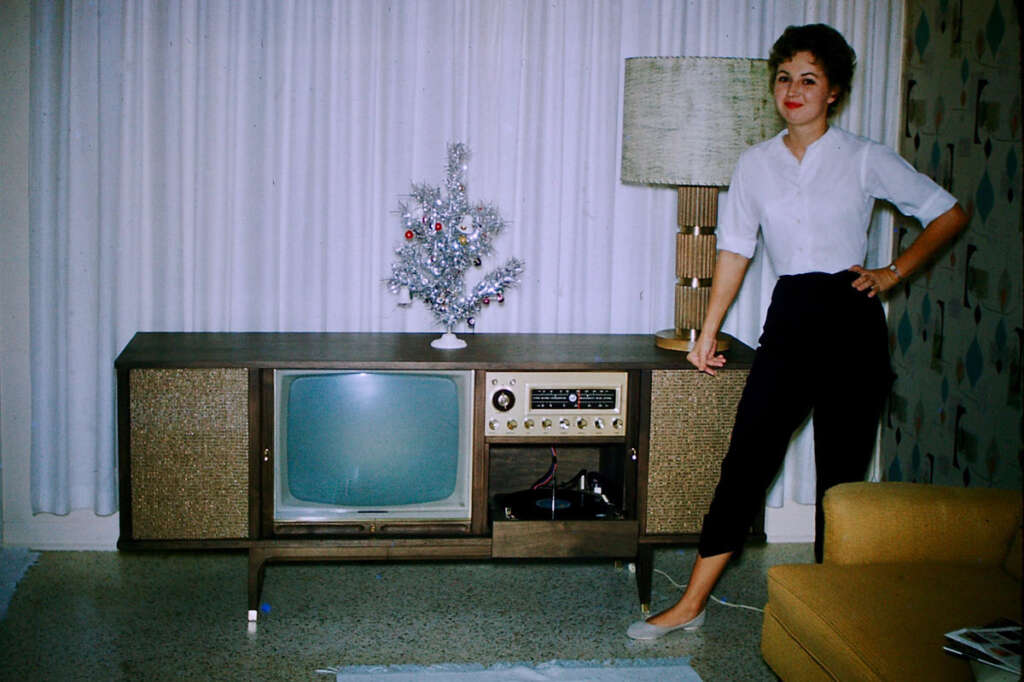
[385,350]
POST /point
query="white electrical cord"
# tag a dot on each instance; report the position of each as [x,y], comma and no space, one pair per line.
[713,597]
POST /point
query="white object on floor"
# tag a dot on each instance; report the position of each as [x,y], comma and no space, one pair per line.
[615,670]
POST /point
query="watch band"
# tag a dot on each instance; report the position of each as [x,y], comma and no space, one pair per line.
[895,270]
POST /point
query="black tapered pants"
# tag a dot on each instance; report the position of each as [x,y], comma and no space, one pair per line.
[823,350]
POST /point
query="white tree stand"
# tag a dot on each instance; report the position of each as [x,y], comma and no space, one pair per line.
[448,341]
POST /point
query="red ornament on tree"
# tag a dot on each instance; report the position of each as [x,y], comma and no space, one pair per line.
[409,234]
[438,227]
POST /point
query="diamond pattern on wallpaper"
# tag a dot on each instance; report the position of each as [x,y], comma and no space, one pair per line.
[974,361]
[995,28]
[922,35]
[985,197]
[895,473]
[936,157]
[905,333]
[1001,338]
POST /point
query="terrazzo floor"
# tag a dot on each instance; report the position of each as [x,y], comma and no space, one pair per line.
[119,616]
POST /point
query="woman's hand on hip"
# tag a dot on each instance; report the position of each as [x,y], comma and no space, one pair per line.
[702,355]
[874,282]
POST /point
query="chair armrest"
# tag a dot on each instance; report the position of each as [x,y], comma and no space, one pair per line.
[899,522]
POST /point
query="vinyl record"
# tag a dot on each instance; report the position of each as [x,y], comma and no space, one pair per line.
[547,504]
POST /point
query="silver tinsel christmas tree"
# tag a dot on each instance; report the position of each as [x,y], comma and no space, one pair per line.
[445,237]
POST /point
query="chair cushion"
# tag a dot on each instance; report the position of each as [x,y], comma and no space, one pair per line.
[887,621]
[786,657]
[894,522]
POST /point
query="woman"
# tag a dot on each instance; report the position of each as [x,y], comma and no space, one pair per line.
[824,345]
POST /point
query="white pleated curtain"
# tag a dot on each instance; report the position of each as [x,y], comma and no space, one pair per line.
[231,166]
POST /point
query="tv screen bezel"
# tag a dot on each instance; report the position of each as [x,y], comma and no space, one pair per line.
[314,517]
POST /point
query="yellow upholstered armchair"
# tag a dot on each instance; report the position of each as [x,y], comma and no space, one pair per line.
[904,564]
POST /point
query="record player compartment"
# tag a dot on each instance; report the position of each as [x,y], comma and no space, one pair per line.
[515,469]
[583,526]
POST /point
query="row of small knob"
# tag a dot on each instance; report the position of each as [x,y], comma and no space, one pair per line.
[546,423]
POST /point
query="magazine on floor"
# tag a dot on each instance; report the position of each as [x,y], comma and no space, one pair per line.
[997,644]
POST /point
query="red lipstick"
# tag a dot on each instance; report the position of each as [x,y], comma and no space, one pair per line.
[793,105]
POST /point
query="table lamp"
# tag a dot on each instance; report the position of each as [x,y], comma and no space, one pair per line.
[685,122]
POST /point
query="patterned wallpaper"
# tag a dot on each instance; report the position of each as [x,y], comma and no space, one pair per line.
[956,331]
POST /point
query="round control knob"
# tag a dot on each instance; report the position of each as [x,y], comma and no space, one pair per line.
[545,423]
[503,400]
[598,423]
[616,423]
[493,424]
[512,424]
[581,423]
[528,424]
[563,424]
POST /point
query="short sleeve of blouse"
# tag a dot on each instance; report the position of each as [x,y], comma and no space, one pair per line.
[738,223]
[888,176]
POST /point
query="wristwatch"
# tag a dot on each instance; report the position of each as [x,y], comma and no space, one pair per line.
[895,271]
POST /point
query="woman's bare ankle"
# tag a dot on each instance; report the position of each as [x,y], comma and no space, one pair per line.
[682,612]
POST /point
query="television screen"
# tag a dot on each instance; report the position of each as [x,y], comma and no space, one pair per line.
[372,439]
[373,443]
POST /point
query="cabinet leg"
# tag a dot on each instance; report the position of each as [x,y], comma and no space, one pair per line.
[644,573]
[257,568]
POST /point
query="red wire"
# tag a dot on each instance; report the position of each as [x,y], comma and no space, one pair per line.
[551,472]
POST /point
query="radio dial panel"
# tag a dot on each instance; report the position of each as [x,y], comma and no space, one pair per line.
[556,404]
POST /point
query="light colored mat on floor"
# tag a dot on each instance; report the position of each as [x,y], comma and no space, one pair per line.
[640,670]
[14,561]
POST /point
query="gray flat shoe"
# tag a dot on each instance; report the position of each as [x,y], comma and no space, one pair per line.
[644,630]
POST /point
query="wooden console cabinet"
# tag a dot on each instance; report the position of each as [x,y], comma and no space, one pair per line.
[196,434]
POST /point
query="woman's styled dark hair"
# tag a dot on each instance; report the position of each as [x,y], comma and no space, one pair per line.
[830,50]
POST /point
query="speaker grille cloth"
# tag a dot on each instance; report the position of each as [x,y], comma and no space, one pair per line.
[691,422]
[189,453]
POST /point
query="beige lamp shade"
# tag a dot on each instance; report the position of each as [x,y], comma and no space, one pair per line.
[686,119]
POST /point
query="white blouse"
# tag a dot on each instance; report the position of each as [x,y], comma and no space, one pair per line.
[814,214]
